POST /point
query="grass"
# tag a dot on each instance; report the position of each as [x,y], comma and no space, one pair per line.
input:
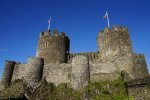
[106,90]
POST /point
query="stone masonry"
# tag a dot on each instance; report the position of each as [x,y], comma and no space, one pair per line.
[54,62]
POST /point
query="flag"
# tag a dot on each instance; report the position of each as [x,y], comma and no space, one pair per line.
[106,17]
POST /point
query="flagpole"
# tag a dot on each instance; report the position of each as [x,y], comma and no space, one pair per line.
[49,23]
[108,19]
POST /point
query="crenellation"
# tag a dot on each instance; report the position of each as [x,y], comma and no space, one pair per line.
[62,34]
[139,55]
[119,28]
[55,33]
[45,34]
[106,30]
[41,34]
[91,56]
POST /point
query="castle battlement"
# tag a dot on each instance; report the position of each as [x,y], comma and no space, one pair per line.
[115,28]
[120,28]
[139,55]
[117,31]
[92,56]
[54,34]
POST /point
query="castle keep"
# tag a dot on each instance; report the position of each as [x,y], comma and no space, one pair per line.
[54,63]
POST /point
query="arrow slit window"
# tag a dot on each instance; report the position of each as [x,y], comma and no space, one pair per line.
[46,44]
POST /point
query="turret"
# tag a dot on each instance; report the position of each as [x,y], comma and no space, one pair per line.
[113,43]
[53,48]
[35,69]
[140,70]
[8,71]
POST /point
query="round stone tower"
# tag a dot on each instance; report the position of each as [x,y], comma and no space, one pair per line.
[53,48]
[8,72]
[80,72]
[35,69]
[113,43]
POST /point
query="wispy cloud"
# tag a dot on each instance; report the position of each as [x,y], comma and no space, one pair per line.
[3,49]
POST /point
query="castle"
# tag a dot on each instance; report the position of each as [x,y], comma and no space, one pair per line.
[54,62]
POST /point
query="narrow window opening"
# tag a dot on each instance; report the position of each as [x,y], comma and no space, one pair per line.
[46,44]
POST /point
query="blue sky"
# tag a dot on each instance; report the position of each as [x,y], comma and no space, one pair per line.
[21,21]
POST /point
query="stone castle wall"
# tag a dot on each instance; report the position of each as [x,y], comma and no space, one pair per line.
[140,66]
[57,73]
[113,43]
[139,88]
[35,69]
[64,72]
[53,49]
[103,71]
[92,56]
[114,55]
[80,76]
[20,71]
[31,72]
